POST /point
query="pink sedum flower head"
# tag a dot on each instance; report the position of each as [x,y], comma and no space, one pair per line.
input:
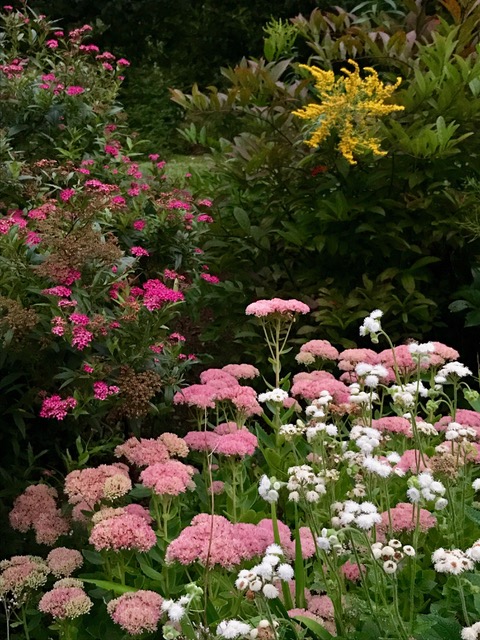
[168,478]
[143,452]
[136,612]
[311,385]
[21,574]
[87,486]
[393,424]
[62,562]
[241,371]
[403,518]
[240,443]
[65,603]
[316,349]
[123,530]
[276,307]
[36,509]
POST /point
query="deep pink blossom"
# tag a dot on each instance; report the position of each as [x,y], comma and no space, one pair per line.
[75,91]
[57,407]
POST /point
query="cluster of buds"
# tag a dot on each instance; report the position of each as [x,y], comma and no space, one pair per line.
[405,395]
[268,488]
[363,515]
[275,395]
[424,489]
[371,325]
[421,352]
[263,577]
[290,431]
[391,554]
[328,541]
[176,609]
[316,410]
[450,372]
[303,482]
[361,398]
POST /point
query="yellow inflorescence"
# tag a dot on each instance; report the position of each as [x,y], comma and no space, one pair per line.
[349,106]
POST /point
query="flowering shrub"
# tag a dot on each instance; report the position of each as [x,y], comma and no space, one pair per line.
[329,505]
[100,254]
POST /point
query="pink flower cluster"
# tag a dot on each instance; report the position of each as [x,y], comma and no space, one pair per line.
[220,386]
[310,385]
[65,603]
[101,390]
[62,562]
[122,530]
[137,612]
[465,417]
[241,371]
[157,295]
[239,442]
[403,518]
[168,478]
[36,509]
[149,451]
[57,407]
[276,307]
[393,424]
[214,540]
[21,573]
[313,349]
[86,487]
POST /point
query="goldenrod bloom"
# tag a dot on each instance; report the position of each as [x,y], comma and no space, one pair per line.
[348,105]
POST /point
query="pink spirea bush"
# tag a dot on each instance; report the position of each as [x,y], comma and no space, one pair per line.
[121,531]
[137,612]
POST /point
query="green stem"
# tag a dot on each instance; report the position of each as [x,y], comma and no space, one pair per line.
[462,600]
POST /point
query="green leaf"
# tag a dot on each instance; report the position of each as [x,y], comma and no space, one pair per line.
[93,556]
[472,514]
[241,216]
[110,586]
[314,626]
[150,572]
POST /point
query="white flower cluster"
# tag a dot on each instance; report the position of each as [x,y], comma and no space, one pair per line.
[476,484]
[317,408]
[453,561]
[391,554]
[404,395]
[421,352]
[262,576]
[233,629]
[371,325]
[366,438]
[319,428]
[175,609]
[268,488]
[275,395]
[289,431]
[427,428]
[376,466]
[328,541]
[423,488]
[371,375]
[472,632]
[363,515]
[304,483]
[457,431]
[455,369]
[362,398]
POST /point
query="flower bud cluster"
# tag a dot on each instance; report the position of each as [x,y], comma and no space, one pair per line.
[304,483]
[317,408]
[421,352]
[231,629]
[262,577]
[363,515]
[328,541]
[371,325]
[275,395]
[405,395]
[290,431]
[471,633]
[361,398]
[391,554]
[424,489]
[268,488]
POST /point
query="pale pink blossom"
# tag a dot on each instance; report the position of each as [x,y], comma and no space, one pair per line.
[143,452]
[393,424]
[64,603]
[62,562]
[123,531]
[277,307]
[240,371]
[136,612]
[168,478]
[404,517]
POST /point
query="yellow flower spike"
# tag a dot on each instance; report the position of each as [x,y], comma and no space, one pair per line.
[349,106]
